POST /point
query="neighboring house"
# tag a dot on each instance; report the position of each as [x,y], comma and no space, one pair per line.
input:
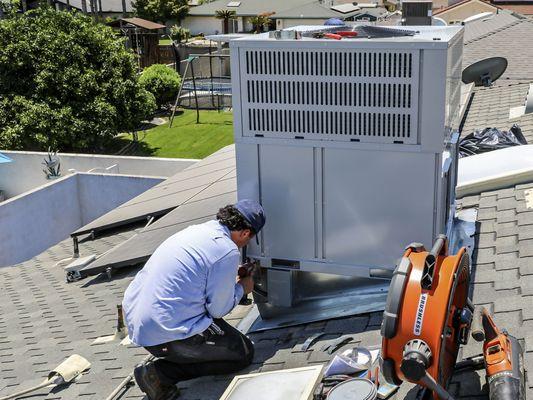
[520,7]
[107,8]
[458,12]
[284,14]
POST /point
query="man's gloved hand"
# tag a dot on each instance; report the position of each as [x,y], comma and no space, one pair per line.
[247,283]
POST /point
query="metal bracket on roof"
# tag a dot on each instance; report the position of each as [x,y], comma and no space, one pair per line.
[74,268]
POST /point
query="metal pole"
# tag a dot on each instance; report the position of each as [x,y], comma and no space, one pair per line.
[211,75]
[179,94]
[195,93]
[127,381]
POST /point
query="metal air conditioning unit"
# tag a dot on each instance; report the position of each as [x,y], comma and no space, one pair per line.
[348,144]
[417,12]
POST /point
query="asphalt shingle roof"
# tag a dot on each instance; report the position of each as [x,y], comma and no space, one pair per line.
[481,27]
[43,319]
[512,42]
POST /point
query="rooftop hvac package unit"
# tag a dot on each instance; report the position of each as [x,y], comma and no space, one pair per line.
[416,12]
[349,146]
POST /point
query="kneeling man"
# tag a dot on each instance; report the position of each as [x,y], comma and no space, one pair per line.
[175,304]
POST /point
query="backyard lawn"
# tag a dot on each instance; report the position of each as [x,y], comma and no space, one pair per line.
[186,139]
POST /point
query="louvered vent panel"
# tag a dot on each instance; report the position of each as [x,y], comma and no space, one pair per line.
[367,96]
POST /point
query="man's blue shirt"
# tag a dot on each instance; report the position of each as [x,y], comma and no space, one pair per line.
[188,281]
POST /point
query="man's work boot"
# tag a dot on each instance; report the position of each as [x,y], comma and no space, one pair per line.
[149,382]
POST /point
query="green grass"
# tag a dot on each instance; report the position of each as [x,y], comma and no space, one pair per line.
[165,42]
[186,139]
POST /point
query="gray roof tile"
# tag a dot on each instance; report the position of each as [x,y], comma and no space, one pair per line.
[481,27]
[512,42]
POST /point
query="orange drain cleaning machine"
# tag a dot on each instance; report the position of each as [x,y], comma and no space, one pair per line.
[427,317]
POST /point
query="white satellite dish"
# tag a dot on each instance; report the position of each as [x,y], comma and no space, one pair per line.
[478,17]
[436,21]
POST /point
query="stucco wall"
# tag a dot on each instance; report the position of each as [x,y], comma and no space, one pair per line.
[205,25]
[38,219]
[290,22]
[25,172]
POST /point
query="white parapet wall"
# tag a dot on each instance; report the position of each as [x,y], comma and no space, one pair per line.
[32,222]
[25,172]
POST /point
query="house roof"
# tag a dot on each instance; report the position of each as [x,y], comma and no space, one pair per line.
[246,8]
[314,10]
[308,9]
[524,9]
[481,27]
[141,23]
[43,319]
[512,42]
[462,3]
[108,6]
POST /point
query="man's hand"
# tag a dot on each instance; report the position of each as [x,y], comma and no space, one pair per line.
[247,283]
[246,269]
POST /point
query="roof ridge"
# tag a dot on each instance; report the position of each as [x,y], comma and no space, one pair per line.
[495,31]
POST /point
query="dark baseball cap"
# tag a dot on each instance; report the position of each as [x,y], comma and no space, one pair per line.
[252,212]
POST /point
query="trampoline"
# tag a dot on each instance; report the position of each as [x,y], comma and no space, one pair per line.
[215,85]
[213,91]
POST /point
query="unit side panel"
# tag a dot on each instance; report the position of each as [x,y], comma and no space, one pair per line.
[287,194]
[335,95]
[433,99]
[248,184]
[375,204]
[236,91]
[453,83]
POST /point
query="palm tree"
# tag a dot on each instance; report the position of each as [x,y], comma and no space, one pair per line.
[225,16]
[259,22]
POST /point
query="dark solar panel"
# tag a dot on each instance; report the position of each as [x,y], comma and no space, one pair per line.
[168,194]
[200,208]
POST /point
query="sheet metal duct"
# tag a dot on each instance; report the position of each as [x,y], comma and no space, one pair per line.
[348,146]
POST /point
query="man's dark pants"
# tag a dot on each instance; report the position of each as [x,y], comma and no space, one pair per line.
[213,352]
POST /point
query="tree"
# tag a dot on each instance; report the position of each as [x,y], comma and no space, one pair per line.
[9,7]
[225,16]
[259,22]
[161,10]
[179,34]
[66,83]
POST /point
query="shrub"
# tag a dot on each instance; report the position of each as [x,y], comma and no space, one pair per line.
[162,81]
